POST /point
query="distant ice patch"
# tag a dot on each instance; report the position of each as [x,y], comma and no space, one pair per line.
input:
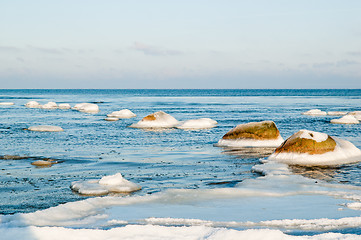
[336,113]
[315,112]
[64,106]
[157,120]
[201,123]
[6,103]
[50,105]
[111,119]
[114,183]
[45,128]
[125,113]
[348,119]
[33,104]
[87,107]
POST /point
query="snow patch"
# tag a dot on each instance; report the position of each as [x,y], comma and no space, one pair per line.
[336,113]
[250,143]
[6,103]
[201,123]
[125,113]
[315,112]
[33,104]
[49,105]
[87,107]
[45,128]
[64,106]
[162,120]
[348,119]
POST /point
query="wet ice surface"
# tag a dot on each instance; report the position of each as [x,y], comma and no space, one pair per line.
[167,160]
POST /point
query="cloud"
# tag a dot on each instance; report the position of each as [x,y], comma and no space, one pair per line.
[154,50]
[354,54]
[345,63]
[8,49]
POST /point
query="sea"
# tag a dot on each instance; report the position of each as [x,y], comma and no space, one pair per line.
[187,181]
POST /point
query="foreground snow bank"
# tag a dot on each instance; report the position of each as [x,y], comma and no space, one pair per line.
[114,183]
[45,128]
[201,123]
[136,232]
[311,148]
[156,120]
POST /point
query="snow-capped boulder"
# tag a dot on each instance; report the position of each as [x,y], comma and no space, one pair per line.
[87,107]
[111,119]
[311,148]
[201,123]
[315,112]
[348,119]
[253,134]
[108,184]
[6,103]
[125,113]
[33,104]
[45,128]
[64,106]
[50,105]
[156,120]
[336,113]
[356,114]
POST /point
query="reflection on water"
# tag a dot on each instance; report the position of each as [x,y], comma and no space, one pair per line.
[322,173]
[249,152]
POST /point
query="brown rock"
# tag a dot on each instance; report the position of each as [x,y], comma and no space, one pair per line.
[297,143]
[42,163]
[150,117]
[265,130]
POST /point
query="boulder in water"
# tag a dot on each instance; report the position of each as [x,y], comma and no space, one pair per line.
[87,107]
[33,104]
[253,134]
[316,149]
[348,119]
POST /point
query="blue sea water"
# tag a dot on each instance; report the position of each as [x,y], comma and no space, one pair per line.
[91,147]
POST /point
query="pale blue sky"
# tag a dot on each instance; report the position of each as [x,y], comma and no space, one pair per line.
[180,44]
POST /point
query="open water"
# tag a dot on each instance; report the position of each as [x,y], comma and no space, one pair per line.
[162,161]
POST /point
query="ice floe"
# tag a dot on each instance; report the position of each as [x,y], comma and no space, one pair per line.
[50,105]
[6,103]
[315,112]
[253,134]
[201,123]
[336,113]
[33,104]
[45,128]
[125,113]
[348,119]
[111,119]
[64,106]
[87,107]
[316,149]
[157,120]
[114,183]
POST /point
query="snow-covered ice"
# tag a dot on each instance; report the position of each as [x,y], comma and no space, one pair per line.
[336,113]
[201,123]
[250,143]
[87,107]
[45,128]
[114,183]
[348,119]
[64,106]
[111,119]
[33,104]
[157,120]
[50,105]
[124,113]
[6,103]
[315,112]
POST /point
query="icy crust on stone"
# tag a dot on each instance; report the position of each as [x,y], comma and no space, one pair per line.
[201,123]
[50,105]
[156,120]
[111,119]
[315,112]
[45,128]
[348,119]
[6,103]
[250,143]
[125,113]
[33,104]
[342,152]
[87,107]
[108,184]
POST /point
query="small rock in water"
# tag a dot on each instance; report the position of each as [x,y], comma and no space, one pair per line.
[43,163]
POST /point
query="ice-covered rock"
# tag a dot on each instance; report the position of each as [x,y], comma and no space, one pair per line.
[6,103]
[87,107]
[253,134]
[108,184]
[315,112]
[336,113]
[45,128]
[201,123]
[156,120]
[348,119]
[50,105]
[125,113]
[111,119]
[64,106]
[33,104]
[311,148]
[356,114]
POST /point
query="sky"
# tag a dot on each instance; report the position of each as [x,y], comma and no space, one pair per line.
[180,44]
